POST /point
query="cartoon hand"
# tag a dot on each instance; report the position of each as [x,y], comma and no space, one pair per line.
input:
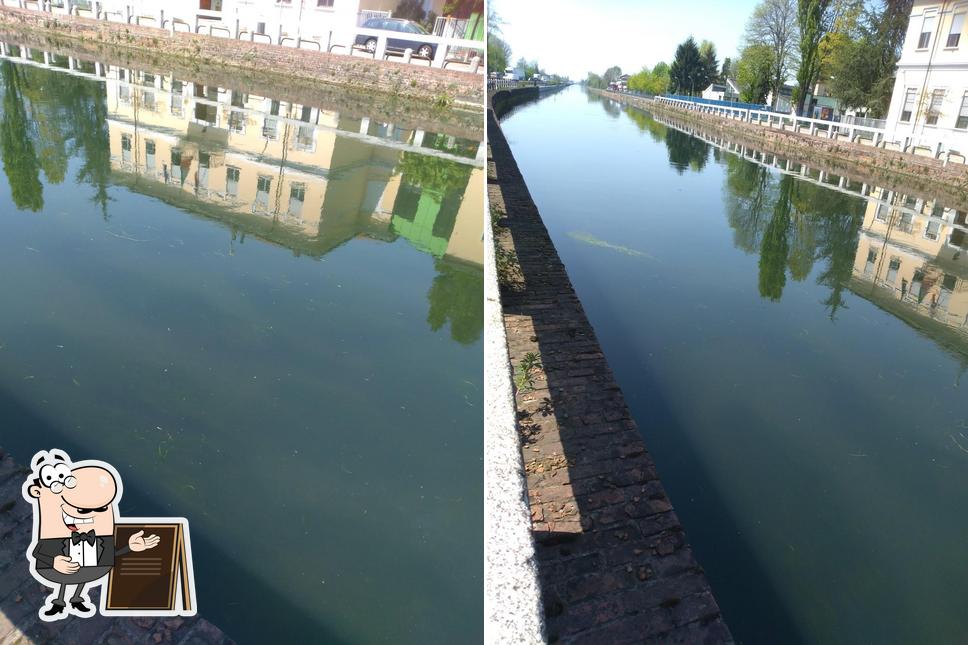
[138,542]
[63,564]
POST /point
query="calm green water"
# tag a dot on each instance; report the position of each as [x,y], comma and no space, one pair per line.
[795,358]
[268,317]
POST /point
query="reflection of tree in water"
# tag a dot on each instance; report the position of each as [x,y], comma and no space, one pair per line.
[457,295]
[611,108]
[806,223]
[433,173]
[20,162]
[775,248]
[67,117]
[686,151]
[647,124]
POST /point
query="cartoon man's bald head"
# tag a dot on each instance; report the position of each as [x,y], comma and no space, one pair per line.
[71,498]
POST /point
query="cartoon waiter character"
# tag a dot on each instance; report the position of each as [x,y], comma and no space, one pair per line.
[75,508]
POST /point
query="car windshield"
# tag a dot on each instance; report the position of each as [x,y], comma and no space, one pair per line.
[415,28]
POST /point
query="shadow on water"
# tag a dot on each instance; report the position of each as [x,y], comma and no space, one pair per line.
[22,426]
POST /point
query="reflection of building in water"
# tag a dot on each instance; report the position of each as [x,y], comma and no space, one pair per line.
[911,258]
[293,174]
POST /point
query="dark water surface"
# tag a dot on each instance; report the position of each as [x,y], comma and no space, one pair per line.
[794,352]
[268,317]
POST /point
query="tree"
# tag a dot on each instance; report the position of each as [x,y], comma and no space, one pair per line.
[612,74]
[687,70]
[457,296]
[654,81]
[595,81]
[20,162]
[814,19]
[707,54]
[754,73]
[498,51]
[727,71]
[775,248]
[862,69]
[774,24]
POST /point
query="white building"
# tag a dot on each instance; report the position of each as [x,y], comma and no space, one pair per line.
[727,91]
[930,100]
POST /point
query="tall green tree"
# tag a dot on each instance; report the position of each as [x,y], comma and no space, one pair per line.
[727,71]
[710,64]
[754,73]
[814,19]
[498,51]
[862,69]
[20,162]
[687,71]
[774,24]
[612,74]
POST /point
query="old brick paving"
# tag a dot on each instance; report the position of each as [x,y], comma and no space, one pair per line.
[21,596]
[614,564]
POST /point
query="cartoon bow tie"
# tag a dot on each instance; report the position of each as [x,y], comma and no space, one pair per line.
[87,536]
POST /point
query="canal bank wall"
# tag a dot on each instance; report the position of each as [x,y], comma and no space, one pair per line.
[874,166]
[435,87]
[613,562]
[21,596]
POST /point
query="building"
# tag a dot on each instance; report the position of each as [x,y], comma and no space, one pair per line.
[784,103]
[727,91]
[930,99]
[911,261]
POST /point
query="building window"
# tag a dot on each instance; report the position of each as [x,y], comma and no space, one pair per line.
[232,181]
[962,121]
[954,36]
[908,106]
[126,148]
[927,26]
[150,155]
[934,108]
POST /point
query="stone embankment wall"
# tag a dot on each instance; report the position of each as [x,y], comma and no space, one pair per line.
[435,86]
[614,565]
[875,166]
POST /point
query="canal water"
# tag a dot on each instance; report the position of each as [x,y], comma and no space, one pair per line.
[793,346]
[268,317]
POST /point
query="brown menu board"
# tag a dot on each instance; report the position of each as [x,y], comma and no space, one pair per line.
[157,579]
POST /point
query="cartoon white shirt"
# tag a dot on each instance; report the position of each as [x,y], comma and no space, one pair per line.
[83,553]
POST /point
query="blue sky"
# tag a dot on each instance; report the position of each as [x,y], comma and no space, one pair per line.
[573,37]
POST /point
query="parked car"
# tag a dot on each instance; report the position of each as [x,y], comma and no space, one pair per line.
[427,50]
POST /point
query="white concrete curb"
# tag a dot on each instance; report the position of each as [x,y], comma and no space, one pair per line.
[512,597]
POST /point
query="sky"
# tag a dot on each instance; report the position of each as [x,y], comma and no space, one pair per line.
[574,37]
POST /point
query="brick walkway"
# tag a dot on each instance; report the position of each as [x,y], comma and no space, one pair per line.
[614,565]
[21,596]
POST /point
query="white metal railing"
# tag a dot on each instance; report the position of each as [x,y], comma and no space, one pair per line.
[878,137]
[366,14]
[469,53]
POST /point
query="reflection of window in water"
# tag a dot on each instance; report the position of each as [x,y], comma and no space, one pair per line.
[150,155]
[274,108]
[405,205]
[237,121]
[297,195]
[916,283]
[126,148]
[124,94]
[148,101]
[306,115]
[871,261]
[305,137]
[147,79]
[937,209]
[907,223]
[176,98]
[269,128]
[204,163]
[207,92]
[176,169]
[238,99]
[232,181]
[960,218]
[262,193]
[892,270]
[932,229]
[947,288]
[206,113]
[957,238]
